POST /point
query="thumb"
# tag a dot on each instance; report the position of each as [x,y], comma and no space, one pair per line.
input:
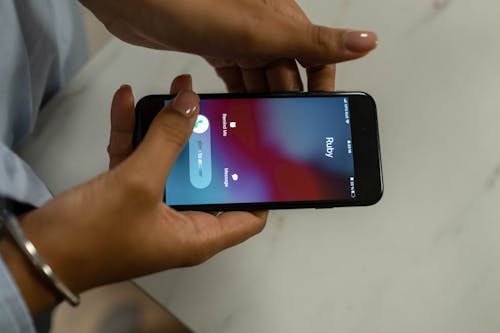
[319,44]
[309,43]
[165,139]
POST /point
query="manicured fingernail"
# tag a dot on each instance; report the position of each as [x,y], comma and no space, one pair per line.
[360,41]
[186,102]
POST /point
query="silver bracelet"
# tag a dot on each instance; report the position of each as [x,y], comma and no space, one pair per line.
[12,225]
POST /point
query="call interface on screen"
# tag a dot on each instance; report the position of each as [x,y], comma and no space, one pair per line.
[255,150]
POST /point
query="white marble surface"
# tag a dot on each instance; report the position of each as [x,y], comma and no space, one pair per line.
[425,259]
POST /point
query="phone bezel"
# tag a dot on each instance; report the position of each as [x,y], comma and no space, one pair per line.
[365,141]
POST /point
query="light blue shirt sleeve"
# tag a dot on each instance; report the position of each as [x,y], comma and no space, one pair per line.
[42,45]
[18,181]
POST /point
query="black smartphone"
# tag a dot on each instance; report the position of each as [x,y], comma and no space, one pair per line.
[274,151]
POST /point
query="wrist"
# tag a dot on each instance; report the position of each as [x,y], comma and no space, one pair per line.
[37,294]
[37,279]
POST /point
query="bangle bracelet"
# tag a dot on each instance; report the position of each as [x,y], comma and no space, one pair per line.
[12,225]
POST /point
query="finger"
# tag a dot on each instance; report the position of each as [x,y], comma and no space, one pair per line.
[327,45]
[321,78]
[165,139]
[237,227]
[311,44]
[181,82]
[255,79]
[122,126]
[283,75]
[233,78]
[228,229]
[229,72]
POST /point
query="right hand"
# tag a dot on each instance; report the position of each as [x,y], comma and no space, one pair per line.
[253,44]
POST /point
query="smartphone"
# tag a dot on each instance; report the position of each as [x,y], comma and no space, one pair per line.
[274,151]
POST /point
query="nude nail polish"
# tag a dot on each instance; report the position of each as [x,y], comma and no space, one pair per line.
[186,102]
[360,41]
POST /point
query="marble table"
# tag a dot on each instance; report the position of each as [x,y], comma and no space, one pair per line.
[425,259]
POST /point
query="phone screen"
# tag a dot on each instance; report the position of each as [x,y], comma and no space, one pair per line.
[260,150]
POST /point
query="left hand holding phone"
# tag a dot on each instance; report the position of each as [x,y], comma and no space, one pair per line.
[116,226]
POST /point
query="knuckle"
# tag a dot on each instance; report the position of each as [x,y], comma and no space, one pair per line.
[321,37]
[174,130]
[135,185]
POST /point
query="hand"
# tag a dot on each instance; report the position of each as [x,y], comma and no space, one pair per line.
[252,44]
[116,226]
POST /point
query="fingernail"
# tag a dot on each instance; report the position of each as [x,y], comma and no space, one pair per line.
[360,41]
[186,102]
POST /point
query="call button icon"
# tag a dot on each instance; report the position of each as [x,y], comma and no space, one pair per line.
[201,125]
[200,154]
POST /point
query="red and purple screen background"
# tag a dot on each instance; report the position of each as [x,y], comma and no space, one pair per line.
[277,150]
